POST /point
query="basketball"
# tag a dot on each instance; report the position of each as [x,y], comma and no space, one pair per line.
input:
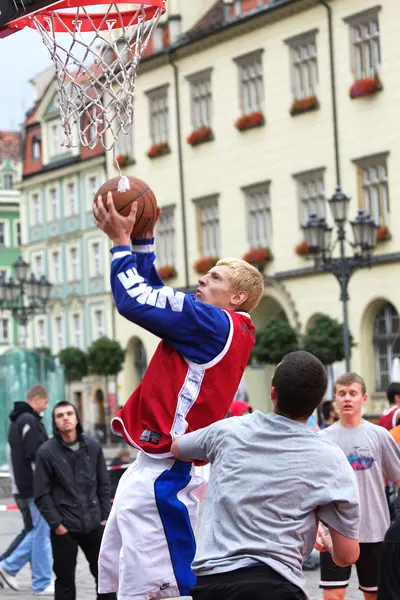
[139,192]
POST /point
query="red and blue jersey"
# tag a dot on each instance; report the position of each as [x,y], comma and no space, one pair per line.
[197,367]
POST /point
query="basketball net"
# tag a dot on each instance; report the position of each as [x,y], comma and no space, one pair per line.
[96,90]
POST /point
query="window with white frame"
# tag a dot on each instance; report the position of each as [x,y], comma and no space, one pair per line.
[3,234]
[201,99]
[365,43]
[311,194]
[165,240]
[304,65]
[251,82]
[158,102]
[259,215]
[208,216]
[56,260]
[237,8]
[59,333]
[96,259]
[36,210]
[36,144]
[17,234]
[93,186]
[99,323]
[4,331]
[373,176]
[158,39]
[8,181]
[124,144]
[54,204]
[41,337]
[74,262]
[71,200]
[54,140]
[386,344]
[77,324]
[38,266]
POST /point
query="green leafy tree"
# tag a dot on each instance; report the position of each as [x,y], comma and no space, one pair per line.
[44,350]
[325,340]
[106,357]
[75,362]
[274,341]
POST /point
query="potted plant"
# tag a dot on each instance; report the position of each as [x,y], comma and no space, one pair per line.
[199,136]
[383,234]
[123,160]
[365,87]
[254,119]
[158,150]
[204,264]
[300,106]
[302,249]
[167,272]
[258,257]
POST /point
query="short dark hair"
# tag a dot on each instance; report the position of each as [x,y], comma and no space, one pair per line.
[36,390]
[327,408]
[349,378]
[392,391]
[63,403]
[300,381]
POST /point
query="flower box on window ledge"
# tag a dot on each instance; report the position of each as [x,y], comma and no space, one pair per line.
[167,272]
[258,257]
[200,136]
[124,160]
[303,105]
[158,150]
[383,234]
[365,87]
[204,264]
[249,121]
[302,249]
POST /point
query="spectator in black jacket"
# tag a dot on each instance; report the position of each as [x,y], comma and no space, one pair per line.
[25,436]
[72,491]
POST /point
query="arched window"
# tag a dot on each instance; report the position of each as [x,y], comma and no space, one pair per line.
[386,344]
[140,359]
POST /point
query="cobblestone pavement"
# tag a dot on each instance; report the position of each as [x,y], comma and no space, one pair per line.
[10,524]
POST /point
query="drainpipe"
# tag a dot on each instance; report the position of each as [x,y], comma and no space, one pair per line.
[333,92]
[180,166]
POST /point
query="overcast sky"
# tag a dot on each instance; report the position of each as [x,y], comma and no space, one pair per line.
[22,56]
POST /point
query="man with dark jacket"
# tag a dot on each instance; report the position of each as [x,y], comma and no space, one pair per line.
[72,491]
[26,435]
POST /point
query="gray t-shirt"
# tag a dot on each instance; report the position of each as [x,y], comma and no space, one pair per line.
[373,454]
[271,479]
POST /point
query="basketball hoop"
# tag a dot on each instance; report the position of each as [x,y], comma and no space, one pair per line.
[96,92]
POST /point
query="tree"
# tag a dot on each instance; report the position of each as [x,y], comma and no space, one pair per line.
[276,339]
[106,357]
[325,340]
[44,350]
[75,362]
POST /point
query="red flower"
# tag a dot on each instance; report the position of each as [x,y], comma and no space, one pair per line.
[204,264]
[167,272]
[205,134]
[122,159]
[383,234]
[258,257]
[158,150]
[254,119]
[304,105]
[302,249]
[365,87]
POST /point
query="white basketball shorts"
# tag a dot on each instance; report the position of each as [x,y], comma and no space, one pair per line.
[148,543]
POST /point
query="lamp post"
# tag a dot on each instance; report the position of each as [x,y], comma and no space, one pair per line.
[318,236]
[25,296]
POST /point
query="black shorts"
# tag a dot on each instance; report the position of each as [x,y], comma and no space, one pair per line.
[251,583]
[333,577]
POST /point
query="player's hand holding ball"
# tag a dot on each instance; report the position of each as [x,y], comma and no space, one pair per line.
[323,542]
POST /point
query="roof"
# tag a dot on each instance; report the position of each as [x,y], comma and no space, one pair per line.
[10,145]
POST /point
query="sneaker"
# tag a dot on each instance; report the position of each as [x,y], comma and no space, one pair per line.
[8,579]
[49,591]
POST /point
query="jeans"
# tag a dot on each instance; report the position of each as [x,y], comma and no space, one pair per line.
[34,548]
[23,506]
[65,551]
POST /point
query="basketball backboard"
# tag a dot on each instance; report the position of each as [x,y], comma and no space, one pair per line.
[13,10]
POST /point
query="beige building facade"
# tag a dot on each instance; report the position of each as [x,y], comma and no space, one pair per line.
[253,81]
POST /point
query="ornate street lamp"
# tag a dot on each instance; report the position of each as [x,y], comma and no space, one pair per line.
[24,297]
[318,236]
